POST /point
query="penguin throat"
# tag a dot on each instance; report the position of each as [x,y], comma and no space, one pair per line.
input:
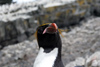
[48,50]
[46,58]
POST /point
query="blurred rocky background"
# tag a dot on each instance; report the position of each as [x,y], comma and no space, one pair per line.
[18,23]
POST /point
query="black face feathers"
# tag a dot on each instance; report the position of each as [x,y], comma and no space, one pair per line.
[41,28]
[47,28]
[49,39]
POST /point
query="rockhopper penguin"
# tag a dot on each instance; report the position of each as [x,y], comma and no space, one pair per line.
[50,45]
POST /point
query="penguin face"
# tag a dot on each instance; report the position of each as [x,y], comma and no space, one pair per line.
[48,36]
[41,28]
[49,28]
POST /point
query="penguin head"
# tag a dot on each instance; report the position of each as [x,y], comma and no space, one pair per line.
[48,36]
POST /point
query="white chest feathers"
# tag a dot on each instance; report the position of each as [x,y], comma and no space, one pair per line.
[46,59]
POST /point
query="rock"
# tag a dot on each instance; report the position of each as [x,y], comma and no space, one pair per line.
[22,37]
[5,1]
[93,59]
[94,63]
[19,31]
[80,62]
[71,64]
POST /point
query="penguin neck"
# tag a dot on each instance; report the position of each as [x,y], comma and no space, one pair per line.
[58,60]
[43,59]
[48,50]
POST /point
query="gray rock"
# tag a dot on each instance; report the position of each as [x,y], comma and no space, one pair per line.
[21,38]
[81,62]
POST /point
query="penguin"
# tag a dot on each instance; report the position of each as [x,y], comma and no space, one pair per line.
[50,46]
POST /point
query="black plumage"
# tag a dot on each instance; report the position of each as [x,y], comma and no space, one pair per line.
[50,40]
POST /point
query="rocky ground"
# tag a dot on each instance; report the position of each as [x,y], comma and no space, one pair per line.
[80,42]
